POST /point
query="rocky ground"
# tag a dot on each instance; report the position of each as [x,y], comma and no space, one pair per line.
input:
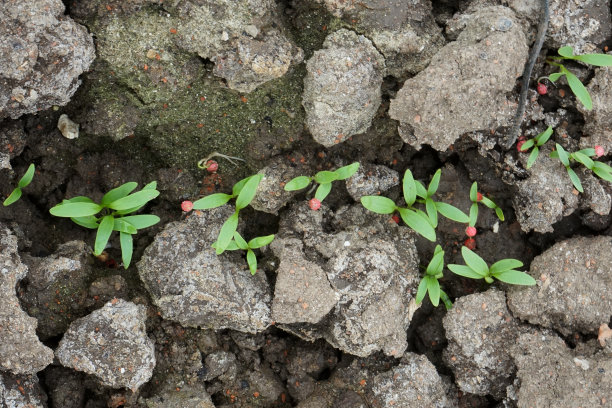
[99,93]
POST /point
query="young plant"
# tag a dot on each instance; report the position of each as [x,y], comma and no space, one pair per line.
[476,268]
[476,198]
[324,179]
[429,283]
[112,214]
[567,53]
[536,143]
[582,156]
[244,192]
[239,243]
[23,182]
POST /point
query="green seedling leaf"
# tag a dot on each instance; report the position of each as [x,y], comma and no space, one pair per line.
[240,242]
[124,226]
[579,90]
[211,201]
[127,248]
[554,77]
[117,193]
[451,212]
[446,300]
[473,217]
[252,261]
[437,262]
[515,278]
[474,261]
[323,191]
[379,205]
[432,212]
[409,188]
[137,199]
[227,233]
[325,177]
[599,60]
[504,265]
[419,223]
[433,287]
[90,222]
[500,214]
[297,183]
[248,192]
[533,156]
[141,221]
[566,51]
[602,172]
[233,246]
[347,171]
[527,145]
[464,271]
[544,136]
[562,154]
[27,177]
[421,191]
[259,242]
[435,182]
[474,192]
[589,151]
[239,185]
[104,231]
[602,166]
[150,186]
[575,180]
[421,291]
[584,159]
[13,197]
[79,199]
[75,209]
[487,202]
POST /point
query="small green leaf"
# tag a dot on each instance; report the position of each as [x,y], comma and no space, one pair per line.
[500,214]
[325,177]
[418,223]
[566,51]
[347,171]
[602,166]
[473,217]
[527,145]
[602,172]
[464,271]
[211,201]
[515,278]
[150,186]
[27,177]
[554,154]
[451,212]
[297,183]
[436,264]
[474,192]
[79,199]
[259,242]
[421,191]
[104,231]
[433,287]
[323,191]
[589,151]
[474,261]
[409,188]
[239,185]
[446,300]
[563,156]
[432,212]
[141,221]
[136,199]
[124,226]
[252,261]
[240,242]
[575,180]
[90,222]
[379,205]
[544,136]
[13,197]
[533,156]
[75,210]
[504,265]
[421,291]
[248,192]
[127,248]
[435,182]
[227,233]
[119,192]
[584,159]
[554,77]
[599,60]
[579,90]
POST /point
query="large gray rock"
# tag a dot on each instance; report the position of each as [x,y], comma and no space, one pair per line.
[464,87]
[42,53]
[573,290]
[21,352]
[112,344]
[194,286]
[342,87]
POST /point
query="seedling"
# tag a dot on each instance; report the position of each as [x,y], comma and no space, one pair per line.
[536,143]
[324,179]
[23,182]
[239,243]
[211,165]
[114,209]
[421,222]
[582,156]
[244,192]
[476,198]
[429,283]
[567,53]
[476,268]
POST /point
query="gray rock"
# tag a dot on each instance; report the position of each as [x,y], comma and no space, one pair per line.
[21,352]
[546,196]
[189,396]
[220,363]
[21,391]
[193,286]
[598,121]
[371,179]
[480,331]
[112,344]
[464,87]
[552,375]
[574,283]
[342,87]
[42,54]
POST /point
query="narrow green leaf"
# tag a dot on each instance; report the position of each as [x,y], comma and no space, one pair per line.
[554,77]
[421,191]
[446,300]
[451,212]
[239,185]
[589,151]
[602,173]
[563,156]
[487,202]
[13,197]
[527,145]
[323,191]
[575,180]
[544,136]
[227,233]
[347,171]
[474,192]
[500,214]
[252,261]
[554,154]
[533,156]
[566,51]
[124,226]
[141,221]
[75,210]
[432,212]
[137,199]
[464,271]
[582,94]
[409,188]
[435,182]
[418,223]
[436,264]
[505,265]
[377,204]
[104,231]
[421,291]
[584,159]
[27,177]
[119,192]
[211,201]
[473,217]
[474,261]
[150,186]
[248,192]
[515,278]
[233,246]
[90,222]
[240,242]
[433,287]
[297,183]
[599,60]
[602,166]
[127,248]
[259,242]
[325,177]
[79,199]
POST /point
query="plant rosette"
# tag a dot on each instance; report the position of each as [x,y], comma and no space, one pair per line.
[430,282]
[324,179]
[238,243]
[600,169]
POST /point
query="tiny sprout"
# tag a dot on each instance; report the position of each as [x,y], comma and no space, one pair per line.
[429,282]
[22,183]
[238,243]
[600,169]
[211,165]
[535,143]
[324,179]
[476,268]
